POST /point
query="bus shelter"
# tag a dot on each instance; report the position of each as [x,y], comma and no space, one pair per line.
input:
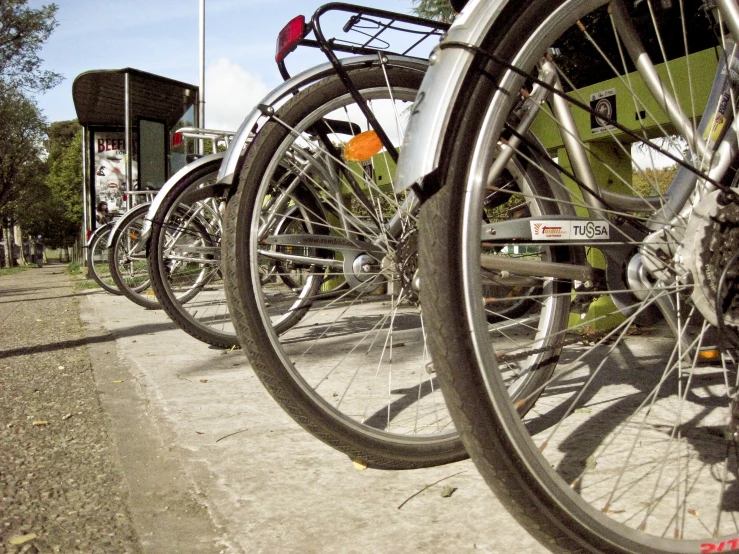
[128,118]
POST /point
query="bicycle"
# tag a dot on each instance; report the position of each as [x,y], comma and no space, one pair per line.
[182,231]
[320,256]
[97,258]
[632,443]
[127,254]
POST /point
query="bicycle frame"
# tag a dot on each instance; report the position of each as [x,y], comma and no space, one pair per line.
[454,56]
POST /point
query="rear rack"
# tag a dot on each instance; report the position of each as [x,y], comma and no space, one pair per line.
[369,31]
[216,136]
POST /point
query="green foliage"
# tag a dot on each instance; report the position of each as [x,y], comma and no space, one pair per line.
[645,182]
[59,136]
[440,10]
[22,132]
[55,209]
[73,268]
[23,31]
[16,269]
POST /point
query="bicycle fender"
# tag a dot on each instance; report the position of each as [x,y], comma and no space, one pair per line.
[424,137]
[96,231]
[171,182]
[117,224]
[240,142]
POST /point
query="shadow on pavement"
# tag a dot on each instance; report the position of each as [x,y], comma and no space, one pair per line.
[107,337]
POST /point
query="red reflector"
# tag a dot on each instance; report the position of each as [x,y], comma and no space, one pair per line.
[87,236]
[176,139]
[289,37]
[125,197]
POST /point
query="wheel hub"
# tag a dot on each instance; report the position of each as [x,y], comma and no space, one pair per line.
[362,272]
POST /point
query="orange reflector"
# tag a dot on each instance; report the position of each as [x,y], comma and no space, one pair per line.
[362,147]
[133,236]
[709,354]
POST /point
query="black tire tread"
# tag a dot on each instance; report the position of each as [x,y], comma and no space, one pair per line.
[278,382]
[172,307]
[99,235]
[128,218]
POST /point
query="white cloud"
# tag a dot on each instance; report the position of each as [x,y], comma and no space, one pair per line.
[230,94]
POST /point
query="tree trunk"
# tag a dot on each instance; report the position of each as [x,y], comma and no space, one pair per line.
[18,237]
[8,242]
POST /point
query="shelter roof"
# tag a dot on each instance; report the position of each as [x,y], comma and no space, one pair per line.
[99,97]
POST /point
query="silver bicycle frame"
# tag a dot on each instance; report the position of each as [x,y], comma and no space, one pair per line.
[425,137]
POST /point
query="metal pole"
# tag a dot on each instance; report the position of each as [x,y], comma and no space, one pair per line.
[129,143]
[201,103]
[86,222]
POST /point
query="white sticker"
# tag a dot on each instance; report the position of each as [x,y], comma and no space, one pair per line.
[579,229]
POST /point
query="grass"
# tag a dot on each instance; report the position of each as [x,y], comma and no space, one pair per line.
[73,268]
[86,284]
[17,269]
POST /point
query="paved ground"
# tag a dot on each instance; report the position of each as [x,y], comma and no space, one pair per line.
[201,458]
[61,487]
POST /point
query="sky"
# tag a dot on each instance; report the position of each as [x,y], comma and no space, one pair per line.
[161,37]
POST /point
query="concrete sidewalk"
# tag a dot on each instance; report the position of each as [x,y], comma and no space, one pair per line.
[214,465]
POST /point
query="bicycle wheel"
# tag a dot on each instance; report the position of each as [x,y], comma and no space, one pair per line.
[632,443]
[97,259]
[127,259]
[184,258]
[331,334]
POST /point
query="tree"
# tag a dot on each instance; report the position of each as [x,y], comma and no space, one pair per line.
[22,133]
[53,208]
[440,10]
[23,31]
[60,136]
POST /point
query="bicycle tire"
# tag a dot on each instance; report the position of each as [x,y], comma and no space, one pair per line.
[97,259]
[625,449]
[130,272]
[180,218]
[291,387]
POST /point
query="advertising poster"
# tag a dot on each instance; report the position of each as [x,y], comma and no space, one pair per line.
[109,158]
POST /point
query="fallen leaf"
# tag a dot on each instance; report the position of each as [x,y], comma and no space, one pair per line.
[40,422]
[693,512]
[61,367]
[203,380]
[199,433]
[360,465]
[447,491]
[39,320]
[118,381]
[22,539]
[134,340]
[66,417]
